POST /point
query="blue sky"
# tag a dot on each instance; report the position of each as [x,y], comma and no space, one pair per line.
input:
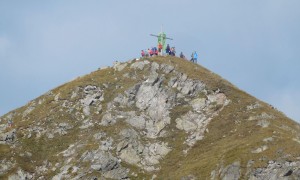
[254,44]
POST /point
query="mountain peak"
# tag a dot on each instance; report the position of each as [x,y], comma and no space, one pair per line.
[158,117]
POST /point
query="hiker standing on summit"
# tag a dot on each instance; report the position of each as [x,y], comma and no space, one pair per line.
[181,55]
[160,48]
[192,57]
[143,53]
[168,49]
[195,56]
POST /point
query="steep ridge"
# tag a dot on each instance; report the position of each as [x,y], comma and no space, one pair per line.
[153,118]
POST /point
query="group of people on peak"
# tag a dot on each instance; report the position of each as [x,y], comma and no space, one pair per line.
[194,56]
[171,51]
[150,52]
[155,51]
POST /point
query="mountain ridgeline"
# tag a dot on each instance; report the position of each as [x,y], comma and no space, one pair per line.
[153,118]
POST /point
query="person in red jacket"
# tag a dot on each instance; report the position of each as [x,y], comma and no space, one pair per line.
[149,52]
[142,53]
[159,48]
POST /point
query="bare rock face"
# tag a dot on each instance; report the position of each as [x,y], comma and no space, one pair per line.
[108,119]
[152,99]
[167,68]
[199,104]
[139,65]
[146,156]
[8,137]
[155,101]
[274,170]
[118,66]
[93,94]
[138,122]
[186,86]
[277,170]
[20,175]
[196,121]
[5,166]
[193,124]
[103,161]
[231,172]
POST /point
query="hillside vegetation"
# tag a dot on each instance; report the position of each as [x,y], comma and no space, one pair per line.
[153,118]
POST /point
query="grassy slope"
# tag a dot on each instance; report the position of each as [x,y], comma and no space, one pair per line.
[222,145]
[219,145]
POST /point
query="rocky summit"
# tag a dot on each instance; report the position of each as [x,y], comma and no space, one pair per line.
[152,118]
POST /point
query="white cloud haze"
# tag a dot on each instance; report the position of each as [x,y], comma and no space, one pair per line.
[4,46]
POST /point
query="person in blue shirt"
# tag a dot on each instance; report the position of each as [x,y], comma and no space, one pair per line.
[195,56]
